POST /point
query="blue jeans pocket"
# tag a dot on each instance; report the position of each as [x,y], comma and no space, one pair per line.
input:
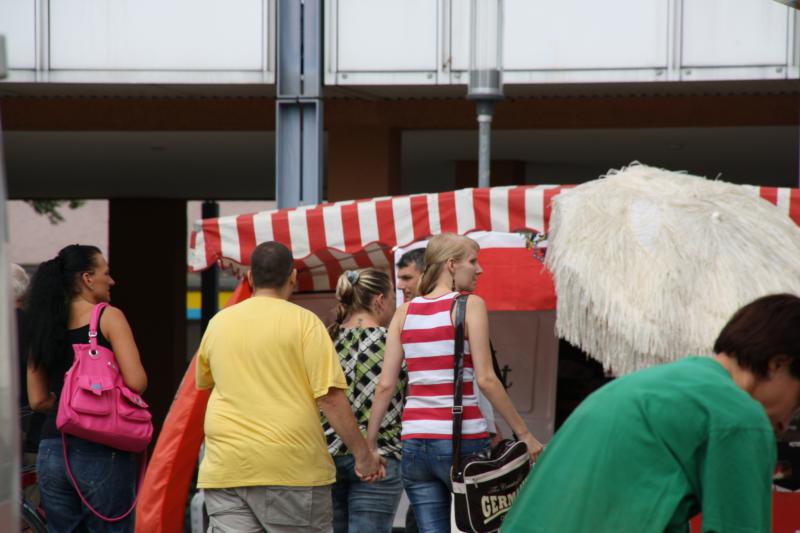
[410,468]
[94,472]
[470,446]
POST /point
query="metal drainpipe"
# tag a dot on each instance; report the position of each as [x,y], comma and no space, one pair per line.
[485,110]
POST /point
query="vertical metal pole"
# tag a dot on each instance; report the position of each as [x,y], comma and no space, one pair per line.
[298,131]
[288,153]
[485,109]
[312,152]
[41,9]
[312,156]
[312,48]
[289,71]
[209,279]
[288,141]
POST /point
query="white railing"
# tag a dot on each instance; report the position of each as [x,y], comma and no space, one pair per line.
[130,41]
[385,42]
[402,42]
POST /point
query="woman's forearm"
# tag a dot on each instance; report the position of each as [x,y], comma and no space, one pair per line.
[380,404]
[40,398]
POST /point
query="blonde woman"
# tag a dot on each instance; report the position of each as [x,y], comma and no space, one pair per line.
[422,334]
[366,305]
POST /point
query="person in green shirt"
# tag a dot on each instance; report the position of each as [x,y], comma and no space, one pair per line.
[652,449]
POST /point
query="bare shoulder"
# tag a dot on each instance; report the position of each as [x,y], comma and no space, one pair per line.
[114,313]
[475,302]
[399,317]
[112,316]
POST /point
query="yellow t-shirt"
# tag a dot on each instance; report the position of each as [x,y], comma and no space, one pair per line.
[268,360]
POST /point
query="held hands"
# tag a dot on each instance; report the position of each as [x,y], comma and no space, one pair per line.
[534,446]
[371,467]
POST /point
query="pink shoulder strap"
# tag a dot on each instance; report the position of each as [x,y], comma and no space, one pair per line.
[142,468]
[93,323]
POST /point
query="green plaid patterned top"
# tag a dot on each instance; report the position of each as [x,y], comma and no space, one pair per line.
[361,354]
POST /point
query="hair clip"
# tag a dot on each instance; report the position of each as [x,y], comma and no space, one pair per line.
[352,276]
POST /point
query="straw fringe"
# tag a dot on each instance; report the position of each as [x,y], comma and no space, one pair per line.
[649,264]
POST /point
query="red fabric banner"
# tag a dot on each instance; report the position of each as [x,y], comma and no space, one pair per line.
[513,280]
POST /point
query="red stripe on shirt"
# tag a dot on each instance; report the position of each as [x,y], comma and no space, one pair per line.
[434,362]
[439,389]
[422,307]
[444,436]
[441,333]
[471,412]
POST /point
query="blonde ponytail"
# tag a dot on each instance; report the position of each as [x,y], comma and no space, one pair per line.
[355,291]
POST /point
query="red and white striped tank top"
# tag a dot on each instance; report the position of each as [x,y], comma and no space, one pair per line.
[428,338]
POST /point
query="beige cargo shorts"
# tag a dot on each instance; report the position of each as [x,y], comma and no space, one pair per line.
[275,509]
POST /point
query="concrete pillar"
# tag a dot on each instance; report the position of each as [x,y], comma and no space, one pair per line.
[363,162]
[147,254]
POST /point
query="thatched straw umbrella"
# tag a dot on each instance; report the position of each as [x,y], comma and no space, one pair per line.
[649,264]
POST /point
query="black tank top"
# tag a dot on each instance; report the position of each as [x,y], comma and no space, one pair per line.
[74,336]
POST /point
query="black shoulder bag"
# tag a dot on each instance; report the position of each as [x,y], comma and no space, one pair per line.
[484,484]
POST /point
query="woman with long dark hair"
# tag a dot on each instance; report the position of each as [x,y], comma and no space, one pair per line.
[58,307]
[366,303]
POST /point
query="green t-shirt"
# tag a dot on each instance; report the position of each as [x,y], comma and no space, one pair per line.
[650,450]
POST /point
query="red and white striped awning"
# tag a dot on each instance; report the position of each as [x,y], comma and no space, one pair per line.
[328,238]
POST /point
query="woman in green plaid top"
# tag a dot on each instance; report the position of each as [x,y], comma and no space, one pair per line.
[365,308]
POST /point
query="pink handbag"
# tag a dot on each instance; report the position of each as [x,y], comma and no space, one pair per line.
[95,403]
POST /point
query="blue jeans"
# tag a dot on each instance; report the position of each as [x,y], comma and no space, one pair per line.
[426,478]
[359,506]
[106,477]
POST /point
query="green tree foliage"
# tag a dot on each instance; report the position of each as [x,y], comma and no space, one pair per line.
[51,208]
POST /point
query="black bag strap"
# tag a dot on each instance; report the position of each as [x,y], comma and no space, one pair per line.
[495,365]
[458,378]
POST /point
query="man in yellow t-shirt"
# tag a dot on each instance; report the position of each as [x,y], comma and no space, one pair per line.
[272,367]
